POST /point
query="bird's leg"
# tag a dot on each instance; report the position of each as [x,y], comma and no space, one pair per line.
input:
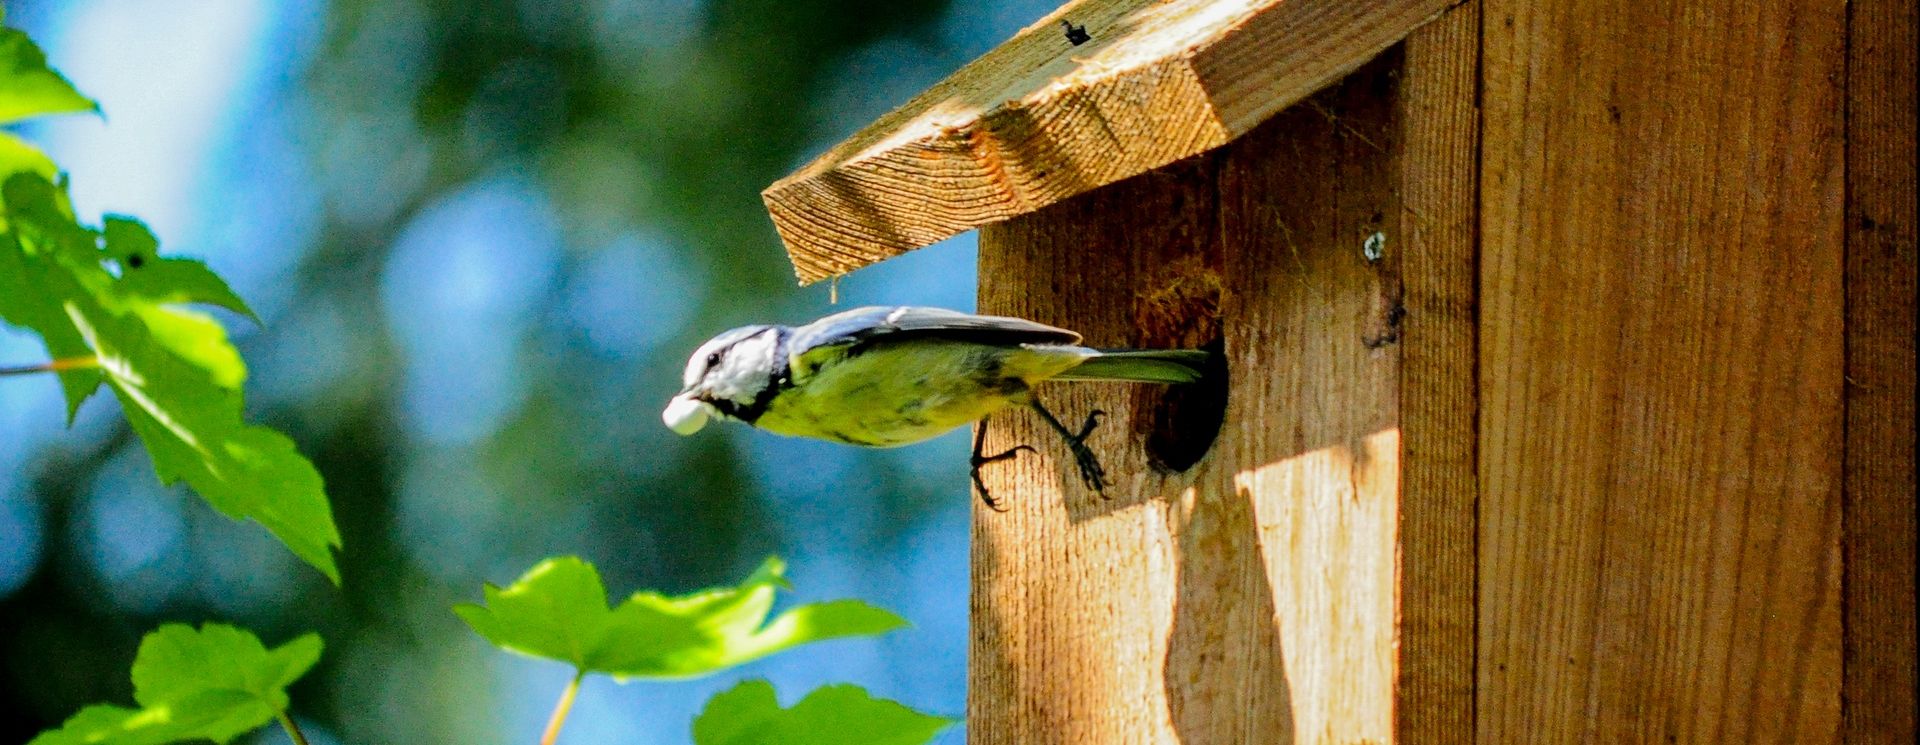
[1091,473]
[978,460]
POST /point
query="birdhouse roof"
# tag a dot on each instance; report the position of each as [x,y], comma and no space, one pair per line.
[1097,91]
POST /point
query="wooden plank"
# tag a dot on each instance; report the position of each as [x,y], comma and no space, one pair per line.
[1251,597]
[1039,119]
[1661,359]
[1437,170]
[1319,340]
[1877,700]
[1072,596]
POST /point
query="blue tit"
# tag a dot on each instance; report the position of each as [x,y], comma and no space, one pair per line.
[889,376]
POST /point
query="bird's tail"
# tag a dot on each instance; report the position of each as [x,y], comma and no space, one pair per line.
[1142,366]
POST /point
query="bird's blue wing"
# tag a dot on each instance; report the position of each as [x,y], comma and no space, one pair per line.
[886,323]
[846,332]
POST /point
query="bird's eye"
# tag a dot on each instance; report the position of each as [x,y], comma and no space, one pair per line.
[713,359]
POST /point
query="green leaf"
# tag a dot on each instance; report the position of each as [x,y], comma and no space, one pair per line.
[749,714]
[25,301]
[175,373]
[178,661]
[215,683]
[28,88]
[145,274]
[189,419]
[42,255]
[558,610]
[16,156]
[103,724]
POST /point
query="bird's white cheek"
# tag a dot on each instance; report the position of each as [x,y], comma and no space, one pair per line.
[685,415]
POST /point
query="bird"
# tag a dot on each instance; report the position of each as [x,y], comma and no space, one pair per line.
[886,376]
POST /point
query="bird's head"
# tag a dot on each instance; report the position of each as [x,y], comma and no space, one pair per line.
[726,378]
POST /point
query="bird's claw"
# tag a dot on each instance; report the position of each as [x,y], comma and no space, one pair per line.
[1093,420]
[986,497]
[981,460]
[1091,472]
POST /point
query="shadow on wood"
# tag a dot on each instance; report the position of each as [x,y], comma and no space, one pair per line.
[1259,583]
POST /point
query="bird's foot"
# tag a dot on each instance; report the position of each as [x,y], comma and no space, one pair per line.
[1091,473]
[978,460]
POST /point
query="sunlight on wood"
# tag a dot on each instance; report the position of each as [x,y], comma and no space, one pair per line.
[1327,534]
[1040,119]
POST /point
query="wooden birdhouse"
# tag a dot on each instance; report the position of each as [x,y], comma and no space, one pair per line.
[1569,374]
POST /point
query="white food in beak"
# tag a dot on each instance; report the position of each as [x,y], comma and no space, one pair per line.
[686,415]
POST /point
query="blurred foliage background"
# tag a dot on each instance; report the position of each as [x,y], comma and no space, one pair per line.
[484,235]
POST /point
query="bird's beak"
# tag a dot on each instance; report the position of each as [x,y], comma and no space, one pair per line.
[685,414]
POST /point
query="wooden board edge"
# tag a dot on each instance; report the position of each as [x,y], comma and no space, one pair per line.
[1004,163]
[1878,521]
[1439,391]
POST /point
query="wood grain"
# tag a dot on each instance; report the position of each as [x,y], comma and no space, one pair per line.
[1878,702]
[1072,596]
[1438,170]
[1250,598]
[1661,362]
[1038,120]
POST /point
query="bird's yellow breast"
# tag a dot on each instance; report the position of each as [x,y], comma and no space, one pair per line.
[906,392]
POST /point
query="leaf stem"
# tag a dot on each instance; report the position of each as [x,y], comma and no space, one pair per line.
[560,709]
[71,363]
[293,730]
